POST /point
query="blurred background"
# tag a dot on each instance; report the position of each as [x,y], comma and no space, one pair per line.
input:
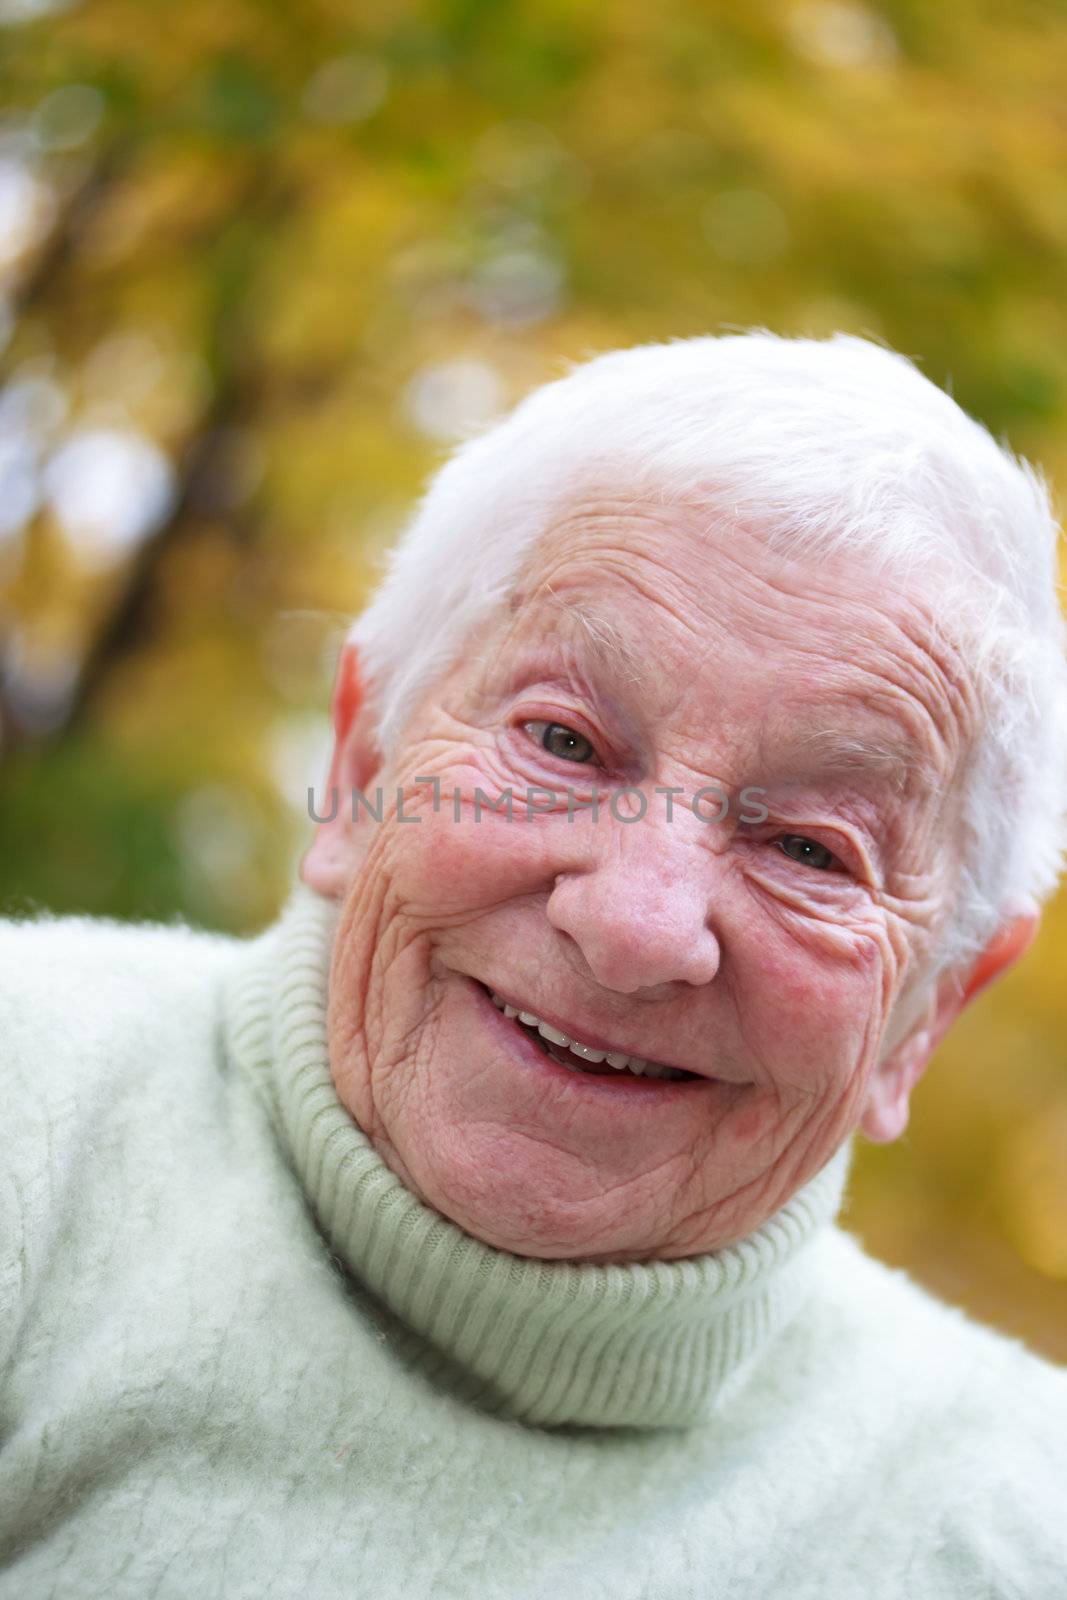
[261,264]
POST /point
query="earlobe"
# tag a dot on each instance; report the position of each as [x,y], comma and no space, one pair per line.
[327,866]
[889,1091]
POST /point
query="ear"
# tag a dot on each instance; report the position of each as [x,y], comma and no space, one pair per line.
[334,853]
[886,1112]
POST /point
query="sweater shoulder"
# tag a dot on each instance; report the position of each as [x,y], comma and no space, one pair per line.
[89,1005]
[102,1024]
[34,944]
[888,1314]
[963,1427]
[82,997]
[967,1398]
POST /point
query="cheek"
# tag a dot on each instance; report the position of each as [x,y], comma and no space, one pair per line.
[448,867]
[816,1008]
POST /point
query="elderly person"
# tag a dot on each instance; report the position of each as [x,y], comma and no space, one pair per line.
[472,1231]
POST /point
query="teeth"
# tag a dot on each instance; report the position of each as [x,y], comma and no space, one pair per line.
[546,1031]
[615,1058]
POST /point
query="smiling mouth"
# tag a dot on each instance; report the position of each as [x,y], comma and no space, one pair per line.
[581,1057]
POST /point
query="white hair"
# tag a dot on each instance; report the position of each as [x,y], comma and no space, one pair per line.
[826,445]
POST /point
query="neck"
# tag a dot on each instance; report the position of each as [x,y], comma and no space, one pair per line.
[647,1344]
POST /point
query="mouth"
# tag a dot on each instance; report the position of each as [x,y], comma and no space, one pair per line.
[588,1059]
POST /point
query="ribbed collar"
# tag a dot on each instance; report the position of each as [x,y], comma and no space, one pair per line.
[647,1345]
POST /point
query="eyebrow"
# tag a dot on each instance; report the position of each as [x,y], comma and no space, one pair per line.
[896,764]
[607,641]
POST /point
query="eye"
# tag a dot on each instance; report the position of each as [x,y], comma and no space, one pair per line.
[809,852]
[561,741]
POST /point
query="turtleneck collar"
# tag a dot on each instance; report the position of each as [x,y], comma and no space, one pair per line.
[652,1344]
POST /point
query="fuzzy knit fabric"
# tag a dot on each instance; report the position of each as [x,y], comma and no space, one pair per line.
[239,1360]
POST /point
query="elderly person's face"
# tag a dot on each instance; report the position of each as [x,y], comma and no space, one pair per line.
[777,962]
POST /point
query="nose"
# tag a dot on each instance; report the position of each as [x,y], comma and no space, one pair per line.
[637,908]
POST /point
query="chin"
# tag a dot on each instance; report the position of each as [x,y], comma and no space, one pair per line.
[511,1202]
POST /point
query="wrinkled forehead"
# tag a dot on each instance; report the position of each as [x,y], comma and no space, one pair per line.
[698,576]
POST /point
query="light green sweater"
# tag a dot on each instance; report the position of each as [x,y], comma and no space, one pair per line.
[239,1359]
